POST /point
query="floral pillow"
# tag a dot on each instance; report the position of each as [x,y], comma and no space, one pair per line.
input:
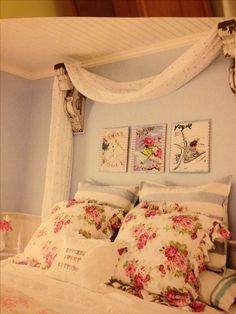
[66,204]
[164,254]
[218,253]
[89,219]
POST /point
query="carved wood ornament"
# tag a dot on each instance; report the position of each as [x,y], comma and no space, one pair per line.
[227,33]
[74,104]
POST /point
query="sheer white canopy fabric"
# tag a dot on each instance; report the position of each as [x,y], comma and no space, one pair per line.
[187,66]
[59,164]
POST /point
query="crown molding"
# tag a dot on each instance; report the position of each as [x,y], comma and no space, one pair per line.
[111,58]
[26,75]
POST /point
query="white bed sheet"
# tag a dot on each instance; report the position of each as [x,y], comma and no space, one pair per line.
[67,298]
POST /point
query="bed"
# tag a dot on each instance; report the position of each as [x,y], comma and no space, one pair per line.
[71,266]
[29,290]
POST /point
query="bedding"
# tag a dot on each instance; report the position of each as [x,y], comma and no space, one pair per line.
[87,218]
[54,296]
[85,262]
[165,251]
[218,290]
[209,199]
[160,252]
[114,195]
[14,301]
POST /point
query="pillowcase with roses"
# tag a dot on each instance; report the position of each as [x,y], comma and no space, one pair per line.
[86,218]
[164,253]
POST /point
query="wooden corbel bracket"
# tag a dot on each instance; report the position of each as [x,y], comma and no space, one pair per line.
[227,33]
[74,104]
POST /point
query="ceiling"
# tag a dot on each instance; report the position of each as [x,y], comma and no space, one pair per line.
[30,47]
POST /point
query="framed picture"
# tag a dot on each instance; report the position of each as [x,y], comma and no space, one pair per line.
[148,148]
[189,150]
[114,149]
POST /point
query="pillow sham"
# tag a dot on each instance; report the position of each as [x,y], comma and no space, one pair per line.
[210,199]
[89,219]
[85,262]
[61,205]
[164,254]
[120,196]
[218,290]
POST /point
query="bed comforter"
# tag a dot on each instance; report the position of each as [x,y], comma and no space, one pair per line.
[26,290]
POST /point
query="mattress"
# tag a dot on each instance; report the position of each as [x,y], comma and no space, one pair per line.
[30,291]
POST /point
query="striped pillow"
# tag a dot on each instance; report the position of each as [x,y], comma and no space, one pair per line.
[113,195]
[210,199]
[218,290]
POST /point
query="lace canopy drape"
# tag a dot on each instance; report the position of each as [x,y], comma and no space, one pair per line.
[60,151]
[103,90]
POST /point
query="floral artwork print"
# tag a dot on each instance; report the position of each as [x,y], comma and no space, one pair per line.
[66,204]
[114,150]
[5,224]
[176,263]
[60,222]
[148,148]
[94,214]
[49,251]
[186,224]
[5,227]
[139,276]
[142,235]
[166,248]
[190,146]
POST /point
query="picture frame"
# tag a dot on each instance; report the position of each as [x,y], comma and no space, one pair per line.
[190,146]
[148,148]
[114,149]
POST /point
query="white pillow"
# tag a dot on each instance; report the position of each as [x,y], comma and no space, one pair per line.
[85,262]
[218,290]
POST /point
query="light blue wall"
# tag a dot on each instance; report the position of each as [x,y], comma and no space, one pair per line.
[38,144]
[25,121]
[206,97]
[15,134]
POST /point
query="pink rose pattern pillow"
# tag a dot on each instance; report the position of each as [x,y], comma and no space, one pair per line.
[87,218]
[165,249]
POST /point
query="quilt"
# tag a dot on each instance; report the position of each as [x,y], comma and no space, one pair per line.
[26,290]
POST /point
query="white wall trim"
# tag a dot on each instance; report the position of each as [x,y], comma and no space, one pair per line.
[15,71]
[20,214]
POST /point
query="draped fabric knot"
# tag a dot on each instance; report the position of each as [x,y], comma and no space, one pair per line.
[227,33]
[64,81]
